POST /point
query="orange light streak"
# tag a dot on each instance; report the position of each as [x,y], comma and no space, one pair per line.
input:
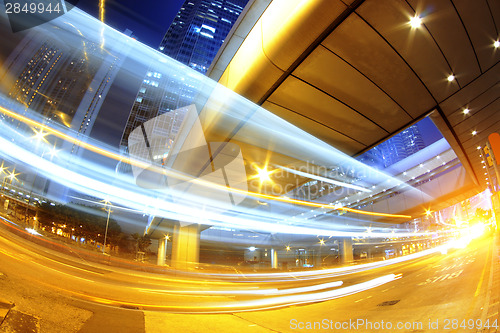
[174,174]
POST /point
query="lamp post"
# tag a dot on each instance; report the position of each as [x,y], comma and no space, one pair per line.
[13,176]
[108,209]
[39,137]
[2,171]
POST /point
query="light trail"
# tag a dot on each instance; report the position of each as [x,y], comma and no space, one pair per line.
[184,177]
[323,179]
[265,292]
[335,272]
[242,306]
[263,297]
[101,18]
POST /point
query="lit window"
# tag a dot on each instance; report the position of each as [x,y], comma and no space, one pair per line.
[204,26]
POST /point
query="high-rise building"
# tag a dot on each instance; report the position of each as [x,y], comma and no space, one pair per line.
[193,38]
[62,78]
[402,145]
[199,29]
[395,149]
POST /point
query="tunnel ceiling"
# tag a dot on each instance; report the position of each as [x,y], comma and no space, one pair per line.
[355,73]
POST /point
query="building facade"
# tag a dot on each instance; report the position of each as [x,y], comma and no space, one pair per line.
[193,38]
[65,81]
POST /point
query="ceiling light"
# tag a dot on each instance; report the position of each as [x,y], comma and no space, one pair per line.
[474,132]
[496,44]
[466,111]
[478,147]
[416,21]
[451,78]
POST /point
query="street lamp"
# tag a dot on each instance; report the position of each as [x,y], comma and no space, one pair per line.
[13,176]
[167,238]
[52,152]
[108,209]
[3,171]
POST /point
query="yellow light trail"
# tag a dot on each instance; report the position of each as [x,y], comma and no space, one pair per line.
[101,18]
[101,10]
[240,306]
[174,174]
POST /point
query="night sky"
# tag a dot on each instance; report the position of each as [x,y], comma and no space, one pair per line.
[148,19]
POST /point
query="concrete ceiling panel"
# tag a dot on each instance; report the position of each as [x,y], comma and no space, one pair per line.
[442,21]
[318,129]
[478,108]
[250,72]
[289,30]
[310,102]
[481,120]
[391,19]
[467,94]
[479,21]
[359,45]
[329,73]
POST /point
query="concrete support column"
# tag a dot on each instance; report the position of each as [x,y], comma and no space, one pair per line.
[162,251]
[317,262]
[345,249]
[274,258]
[186,246]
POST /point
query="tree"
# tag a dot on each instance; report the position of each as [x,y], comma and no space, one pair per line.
[88,222]
[142,242]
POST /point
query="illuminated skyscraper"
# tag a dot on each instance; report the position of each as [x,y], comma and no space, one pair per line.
[62,78]
[193,38]
[199,29]
[402,145]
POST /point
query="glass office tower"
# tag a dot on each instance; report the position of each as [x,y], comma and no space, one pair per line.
[193,38]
